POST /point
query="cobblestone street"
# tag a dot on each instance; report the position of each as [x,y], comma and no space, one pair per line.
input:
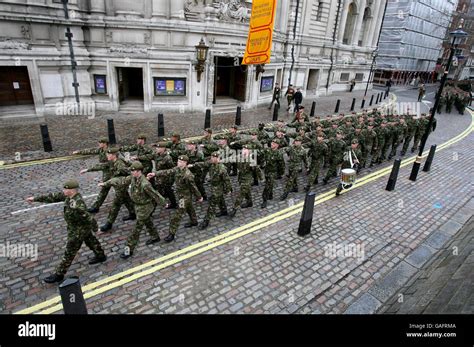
[255,263]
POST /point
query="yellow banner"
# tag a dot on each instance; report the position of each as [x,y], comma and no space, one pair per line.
[259,42]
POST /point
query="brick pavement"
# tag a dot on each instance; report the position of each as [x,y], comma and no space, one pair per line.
[268,271]
[69,133]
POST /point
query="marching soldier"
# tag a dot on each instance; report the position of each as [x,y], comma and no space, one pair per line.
[194,157]
[207,144]
[381,134]
[246,171]
[164,184]
[145,199]
[337,147]
[351,161]
[144,154]
[176,147]
[253,143]
[185,190]
[318,150]
[272,161]
[80,228]
[412,125]
[370,143]
[399,132]
[118,168]
[420,130]
[296,156]
[220,184]
[389,135]
[232,139]
[101,151]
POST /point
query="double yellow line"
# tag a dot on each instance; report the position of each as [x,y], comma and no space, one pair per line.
[90,290]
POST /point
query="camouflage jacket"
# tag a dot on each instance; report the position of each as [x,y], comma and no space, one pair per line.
[184,182]
[317,150]
[141,190]
[336,150]
[102,153]
[272,159]
[296,157]
[209,146]
[176,149]
[219,179]
[144,155]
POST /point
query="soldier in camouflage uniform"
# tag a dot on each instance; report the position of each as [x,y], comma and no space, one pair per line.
[318,150]
[175,146]
[370,143]
[145,199]
[272,161]
[381,134]
[351,161]
[420,130]
[246,169]
[164,185]
[194,157]
[400,130]
[232,138]
[253,143]
[412,124]
[220,184]
[118,168]
[337,147]
[389,135]
[185,189]
[80,228]
[296,157]
[101,151]
[144,154]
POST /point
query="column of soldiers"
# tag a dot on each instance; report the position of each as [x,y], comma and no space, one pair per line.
[454,96]
[172,173]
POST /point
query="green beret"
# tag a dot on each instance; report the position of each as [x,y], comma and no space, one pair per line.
[355,141]
[176,135]
[104,140]
[183,158]
[71,184]
[299,138]
[277,141]
[141,137]
[254,132]
[114,150]
[136,165]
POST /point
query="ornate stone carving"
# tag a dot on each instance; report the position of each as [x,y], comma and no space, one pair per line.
[225,10]
[128,49]
[25,31]
[9,44]
[147,38]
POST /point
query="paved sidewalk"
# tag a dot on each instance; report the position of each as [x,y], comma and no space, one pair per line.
[70,133]
[445,285]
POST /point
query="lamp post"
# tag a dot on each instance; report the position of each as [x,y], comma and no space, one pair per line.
[457,35]
[201,56]
[375,54]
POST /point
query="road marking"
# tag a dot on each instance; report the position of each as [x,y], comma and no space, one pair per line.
[53,305]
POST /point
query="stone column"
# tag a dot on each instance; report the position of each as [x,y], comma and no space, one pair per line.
[177,9]
[343,20]
[379,24]
[160,9]
[358,24]
[98,7]
[285,9]
[110,8]
[375,15]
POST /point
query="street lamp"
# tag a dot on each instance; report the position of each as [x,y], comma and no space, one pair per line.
[457,35]
[375,54]
[201,56]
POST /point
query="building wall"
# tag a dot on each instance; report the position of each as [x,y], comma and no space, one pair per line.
[159,36]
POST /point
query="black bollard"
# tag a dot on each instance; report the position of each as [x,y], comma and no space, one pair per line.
[429,160]
[378,96]
[238,116]
[207,121]
[275,112]
[353,104]
[381,96]
[72,297]
[392,180]
[161,125]
[415,169]
[363,104]
[45,137]
[337,106]
[313,109]
[371,100]
[111,131]
[307,214]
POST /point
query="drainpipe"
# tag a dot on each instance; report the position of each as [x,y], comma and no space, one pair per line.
[293,45]
[334,33]
[69,36]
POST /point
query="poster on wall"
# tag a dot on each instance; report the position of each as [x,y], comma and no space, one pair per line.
[267,84]
[168,86]
[100,84]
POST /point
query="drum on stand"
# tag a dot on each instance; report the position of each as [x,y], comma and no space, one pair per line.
[348,177]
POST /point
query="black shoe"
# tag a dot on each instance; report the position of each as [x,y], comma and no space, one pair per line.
[106,227]
[232,213]
[255,183]
[307,188]
[295,190]
[171,207]
[98,259]
[129,217]
[246,205]
[190,225]
[204,224]
[221,213]
[264,204]
[152,241]
[93,210]
[126,255]
[284,196]
[54,278]
[316,181]
[403,153]
[279,177]
[233,174]
[270,197]
[325,181]
[169,238]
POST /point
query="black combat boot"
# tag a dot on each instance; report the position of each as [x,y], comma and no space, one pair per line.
[307,188]
[129,217]
[295,190]
[106,227]
[264,204]
[54,278]
[325,181]
[204,224]
[153,241]
[284,196]
[98,259]
[232,213]
[169,238]
[190,224]
[221,213]
[247,205]
[93,210]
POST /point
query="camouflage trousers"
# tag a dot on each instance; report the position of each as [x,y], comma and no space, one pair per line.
[144,219]
[416,141]
[292,181]
[185,205]
[216,200]
[73,245]
[199,179]
[386,146]
[166,190]
[269,183]
[121,198]
[334,167]
[377,156]
[280,170]
[104,191]
[395,144]
[366,150]
[245,193]
[406,143]
[314,170]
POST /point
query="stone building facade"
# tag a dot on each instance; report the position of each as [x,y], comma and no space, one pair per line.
[140,55]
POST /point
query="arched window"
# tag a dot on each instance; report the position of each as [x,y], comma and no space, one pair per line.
[364,30]
[350,24]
